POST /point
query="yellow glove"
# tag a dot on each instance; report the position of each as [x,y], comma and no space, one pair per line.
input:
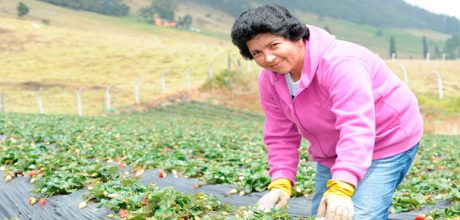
[336,202]
[280,192]
[283,184]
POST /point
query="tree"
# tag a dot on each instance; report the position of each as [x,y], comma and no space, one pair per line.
[23,9]
[147,13]
[392,46]
[107,7]
[185,22]
[452,46]
[165,8]
[425,47]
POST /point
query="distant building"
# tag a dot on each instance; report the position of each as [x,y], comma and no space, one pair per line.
[165,22]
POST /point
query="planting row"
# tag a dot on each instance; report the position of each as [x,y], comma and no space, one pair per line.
[212,143]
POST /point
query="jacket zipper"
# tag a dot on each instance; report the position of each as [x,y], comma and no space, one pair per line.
[303,128]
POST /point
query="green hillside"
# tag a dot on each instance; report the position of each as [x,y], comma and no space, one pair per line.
[84,49]
[389,14]
[216,23]
[408,41]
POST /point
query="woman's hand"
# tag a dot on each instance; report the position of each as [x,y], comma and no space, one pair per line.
[336,202]
[280,192]
[335,207]
[276,198]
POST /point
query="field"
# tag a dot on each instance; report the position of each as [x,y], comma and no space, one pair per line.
[93,52]
[94,61]
[206,130]
[75,59]
[62,154]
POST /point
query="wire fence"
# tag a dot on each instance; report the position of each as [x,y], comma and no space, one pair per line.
[97,99]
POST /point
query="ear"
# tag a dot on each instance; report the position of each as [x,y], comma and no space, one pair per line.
[300,43]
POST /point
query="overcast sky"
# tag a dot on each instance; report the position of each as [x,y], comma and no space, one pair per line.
[448,7]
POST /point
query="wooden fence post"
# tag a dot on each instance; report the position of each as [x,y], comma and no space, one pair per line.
[107,99]
[79,103]
[210,71]
[229,61]
[406,77]
[137,99]
[187,78]
[440,91]
[210,76]
[163,83]
[3,102]
[39,100]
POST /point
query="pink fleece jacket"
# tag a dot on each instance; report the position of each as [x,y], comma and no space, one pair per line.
[350,107]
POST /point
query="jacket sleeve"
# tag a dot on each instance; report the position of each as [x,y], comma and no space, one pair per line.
[280,135]
[348,82]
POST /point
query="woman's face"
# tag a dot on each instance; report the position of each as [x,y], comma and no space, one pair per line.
[277,54]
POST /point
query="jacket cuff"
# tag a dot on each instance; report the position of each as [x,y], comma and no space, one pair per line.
[282,184]
[283,174]
[345,177]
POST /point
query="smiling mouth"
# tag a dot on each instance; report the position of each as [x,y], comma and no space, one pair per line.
[276,65]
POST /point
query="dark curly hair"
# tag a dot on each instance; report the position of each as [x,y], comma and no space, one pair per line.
[274,19]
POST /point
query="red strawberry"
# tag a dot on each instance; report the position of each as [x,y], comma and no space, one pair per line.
[138,172]
[122,213]
[122,165]
[32,173]
[145,201]
[32,201]
[162,174]
[420,217]
[42,201]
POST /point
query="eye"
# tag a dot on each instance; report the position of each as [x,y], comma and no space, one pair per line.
[256,53]
[275,45]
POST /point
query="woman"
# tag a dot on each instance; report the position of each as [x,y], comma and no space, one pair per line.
[362,122]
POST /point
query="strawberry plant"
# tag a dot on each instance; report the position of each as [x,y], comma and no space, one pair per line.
[118,194]
[216,145]
[452,212]
[137,201]
[257,182]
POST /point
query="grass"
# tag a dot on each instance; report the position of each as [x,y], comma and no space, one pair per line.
[61,60]
[82,49]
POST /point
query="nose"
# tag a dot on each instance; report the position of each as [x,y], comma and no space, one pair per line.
[269,58]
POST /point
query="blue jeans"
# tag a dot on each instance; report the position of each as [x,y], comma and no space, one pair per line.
[374,193]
